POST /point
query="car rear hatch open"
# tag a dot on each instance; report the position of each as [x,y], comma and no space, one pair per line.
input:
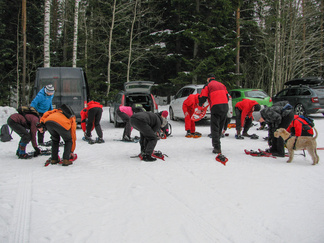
[138,86]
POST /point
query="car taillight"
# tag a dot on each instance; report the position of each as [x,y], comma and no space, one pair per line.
[315,99]
[156,105]
[123,100]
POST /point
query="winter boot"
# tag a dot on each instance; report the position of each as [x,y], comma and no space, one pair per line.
[54,161]
[245,134]
[238,136]
[22,151]
[148,158]
[189,134]
[217,150]
[99,140]
[66,162]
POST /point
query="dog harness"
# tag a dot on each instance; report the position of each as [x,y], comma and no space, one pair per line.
[294,147]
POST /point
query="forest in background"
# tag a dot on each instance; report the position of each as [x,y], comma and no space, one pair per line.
[252,43]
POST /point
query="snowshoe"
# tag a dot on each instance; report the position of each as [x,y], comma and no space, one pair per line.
[221,158]
[99,140]
[196,135]
[25,156]
[254,136]
[239,136]
[231,125]
[158,155]
[89,140]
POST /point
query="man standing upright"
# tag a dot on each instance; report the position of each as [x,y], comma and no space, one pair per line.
[43,103]
[217,96]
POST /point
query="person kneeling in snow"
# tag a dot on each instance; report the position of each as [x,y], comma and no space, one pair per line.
[25,127]
[148,124]
[90,119]
[61,125]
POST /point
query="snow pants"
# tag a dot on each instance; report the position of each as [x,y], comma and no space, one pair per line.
[56,132]
[247,123]
[190,124]
[94,118]
[20,130]
[148,138]
[277,144]
[217,121]
[126,119]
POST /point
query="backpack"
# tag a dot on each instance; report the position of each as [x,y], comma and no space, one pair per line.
[67,111]
[167,130]
[309,120]
[5,134]
[24,109]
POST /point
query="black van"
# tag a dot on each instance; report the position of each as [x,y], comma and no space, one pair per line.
[71,87]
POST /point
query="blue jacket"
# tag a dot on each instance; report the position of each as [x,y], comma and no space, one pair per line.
[42,102]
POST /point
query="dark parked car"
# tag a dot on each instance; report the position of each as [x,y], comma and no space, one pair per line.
[135,92]
[306,95]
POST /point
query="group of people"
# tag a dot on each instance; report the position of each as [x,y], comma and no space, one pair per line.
[280,115]
[61,123]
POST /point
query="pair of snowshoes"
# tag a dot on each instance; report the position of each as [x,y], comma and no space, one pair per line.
[73,157]
[150,158]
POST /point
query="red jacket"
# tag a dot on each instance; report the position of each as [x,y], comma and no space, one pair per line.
[216,93]
[245,106]
[300,127]
[84,113]
[190,103]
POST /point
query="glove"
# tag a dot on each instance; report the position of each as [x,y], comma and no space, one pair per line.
[186,114]
[37,152]
[41,125]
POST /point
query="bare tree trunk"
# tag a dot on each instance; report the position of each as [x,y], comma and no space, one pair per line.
[276,50]
[304,35]
[321,42]
[65,44]
[196,45]
[75,33]
[17,66]
[131,42]
[238,35]
[109,46]
[24,20]
[47,33]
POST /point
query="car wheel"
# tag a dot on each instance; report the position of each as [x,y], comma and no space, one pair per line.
[171,114]
[299,109]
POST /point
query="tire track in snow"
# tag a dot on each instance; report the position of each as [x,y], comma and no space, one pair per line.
[20,226]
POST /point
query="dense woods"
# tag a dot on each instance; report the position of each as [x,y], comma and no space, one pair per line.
[259,44]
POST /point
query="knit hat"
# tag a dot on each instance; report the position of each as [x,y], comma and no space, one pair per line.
[210,75]
[49,89]
[165,114]
[257,107]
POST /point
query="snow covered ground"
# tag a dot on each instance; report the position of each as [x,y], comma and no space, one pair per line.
[106,196]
